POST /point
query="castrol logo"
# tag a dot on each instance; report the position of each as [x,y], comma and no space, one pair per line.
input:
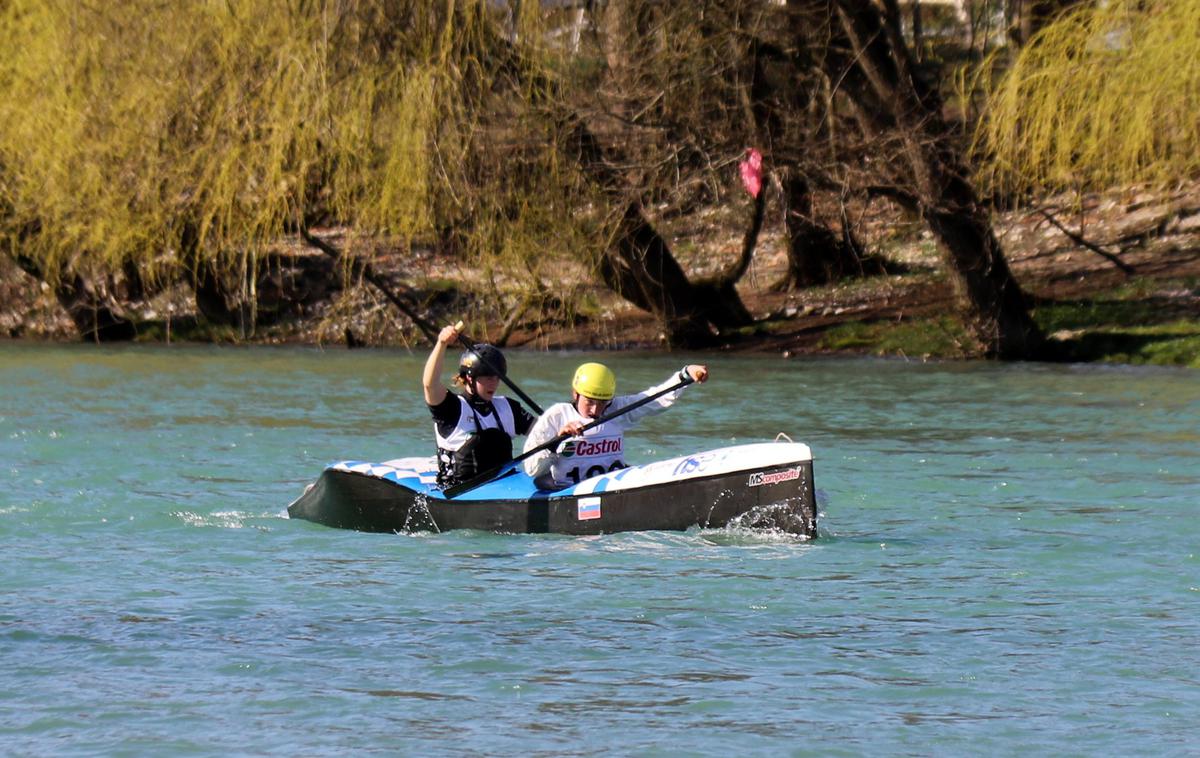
[585,447]
[761,478]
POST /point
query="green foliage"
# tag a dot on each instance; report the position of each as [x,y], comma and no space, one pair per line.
[170,134]
[1089,313]
[1127,325]
[1171,344]
[1106,96]
[942,337]
[187,330]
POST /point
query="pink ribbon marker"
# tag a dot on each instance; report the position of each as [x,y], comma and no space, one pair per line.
[751,170]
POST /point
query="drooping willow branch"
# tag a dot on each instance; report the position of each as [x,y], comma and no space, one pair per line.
[361,268]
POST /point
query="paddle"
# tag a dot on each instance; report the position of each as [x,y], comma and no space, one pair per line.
[471,347]
[487,476]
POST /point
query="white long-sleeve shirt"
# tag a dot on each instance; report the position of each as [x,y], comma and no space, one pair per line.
[600,449]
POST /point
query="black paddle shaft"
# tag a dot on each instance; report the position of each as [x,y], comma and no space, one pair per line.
[508,382]
[487,476]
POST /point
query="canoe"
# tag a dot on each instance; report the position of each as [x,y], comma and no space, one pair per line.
[764,485]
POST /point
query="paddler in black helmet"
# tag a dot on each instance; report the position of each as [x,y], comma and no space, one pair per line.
[475,429]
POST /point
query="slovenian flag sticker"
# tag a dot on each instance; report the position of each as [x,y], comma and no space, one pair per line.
[589,508]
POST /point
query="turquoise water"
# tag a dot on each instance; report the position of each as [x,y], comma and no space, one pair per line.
[1007,562]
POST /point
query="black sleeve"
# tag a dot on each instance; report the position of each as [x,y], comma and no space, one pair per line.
[445,414]
[522,419]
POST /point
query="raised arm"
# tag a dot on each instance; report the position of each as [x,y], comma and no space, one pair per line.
[696,372]
[431,380]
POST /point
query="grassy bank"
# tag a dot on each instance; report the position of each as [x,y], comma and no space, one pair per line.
[1144,322]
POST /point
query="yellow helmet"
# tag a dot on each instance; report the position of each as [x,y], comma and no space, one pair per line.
[595,380]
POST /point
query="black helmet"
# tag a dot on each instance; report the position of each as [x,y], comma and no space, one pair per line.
[483,360]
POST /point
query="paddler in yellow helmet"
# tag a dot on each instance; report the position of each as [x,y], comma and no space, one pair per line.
[602,448]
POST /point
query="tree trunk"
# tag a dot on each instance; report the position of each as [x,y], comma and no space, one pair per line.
[876,71]
[96,313]
[1028,17]
[640,268]
[816,255]
[719,293]
[998,315]
[918,30]
[639,265]
[286,286]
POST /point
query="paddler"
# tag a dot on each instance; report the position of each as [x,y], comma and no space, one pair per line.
[474,430]
[601,448]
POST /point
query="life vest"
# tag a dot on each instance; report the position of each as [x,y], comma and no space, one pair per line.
[477,443]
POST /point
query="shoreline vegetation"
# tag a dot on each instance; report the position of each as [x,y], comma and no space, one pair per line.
[999,180]
[1142,309]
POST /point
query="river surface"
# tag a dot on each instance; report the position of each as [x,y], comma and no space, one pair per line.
[1007,563]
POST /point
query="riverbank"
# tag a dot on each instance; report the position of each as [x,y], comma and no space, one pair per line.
[1111,278]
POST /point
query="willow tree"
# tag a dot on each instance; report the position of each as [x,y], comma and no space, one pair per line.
[1107,96]
[174,139]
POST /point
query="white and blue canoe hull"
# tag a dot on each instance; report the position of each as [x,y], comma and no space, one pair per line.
[763,485]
